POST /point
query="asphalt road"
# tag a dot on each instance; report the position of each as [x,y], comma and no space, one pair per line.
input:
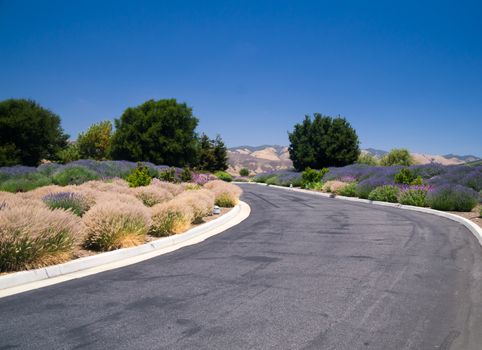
[302,272]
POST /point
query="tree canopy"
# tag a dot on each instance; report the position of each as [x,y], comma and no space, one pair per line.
[397,156]
[212,154]
[95,142]
[28,133]
[323,141]
[161,132]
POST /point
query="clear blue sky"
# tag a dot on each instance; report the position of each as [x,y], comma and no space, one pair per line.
[405,74]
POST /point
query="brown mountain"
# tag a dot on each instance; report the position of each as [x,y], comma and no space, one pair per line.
[273,157]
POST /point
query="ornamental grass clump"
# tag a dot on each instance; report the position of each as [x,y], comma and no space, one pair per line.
[334,186]
[452,198]
[225,194]
[385,193]
[152,195]
[201,203]
[72,201]
[114,224]
[33,236]
[170,218]
[173,188]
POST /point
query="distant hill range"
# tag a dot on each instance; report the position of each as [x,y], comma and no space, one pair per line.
[264,158]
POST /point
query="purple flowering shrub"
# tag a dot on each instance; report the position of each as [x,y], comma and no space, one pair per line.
[75,202]
[452,198]
[279,177]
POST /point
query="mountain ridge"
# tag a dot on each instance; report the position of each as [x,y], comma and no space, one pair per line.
[264,158]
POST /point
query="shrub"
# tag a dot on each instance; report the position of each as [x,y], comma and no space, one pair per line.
[114,224]
[452,198]
[75,175]
[385,193]
[139,176]
[244,172]
[312,176]
[480,212]
[367,158]
[75,202]
[201,203]
[405,177]
[224,176]
[33,236]
[25,183]
[226,195]
[397,156]
[348,191]
[152,195]
[186,175]
[334,186]
[416,197]
[170,218]
[168,175]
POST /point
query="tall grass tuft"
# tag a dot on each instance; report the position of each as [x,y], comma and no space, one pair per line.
[226,194]
[170,218]
[152,195]
[33,236]
[115,224]
[201,203]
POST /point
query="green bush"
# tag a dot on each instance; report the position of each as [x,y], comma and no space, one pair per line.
[186,175]
[368,159]
[397,156]
[74,176]
[139,176]
[415,197]
[168,175]
[407,177]
[311,176]
[480,212]
[244,172]
[385,193]
[25,183]
[222,175]
[349,190]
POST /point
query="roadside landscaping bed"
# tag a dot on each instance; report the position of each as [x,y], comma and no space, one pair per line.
[53,224]
[455,189]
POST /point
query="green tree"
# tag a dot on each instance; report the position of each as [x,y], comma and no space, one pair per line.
[161,132]
[95,142]
[322,142]
[69,153]
[213,154]
[397,156]
[28,133]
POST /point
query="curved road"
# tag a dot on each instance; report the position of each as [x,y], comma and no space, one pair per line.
[302,272]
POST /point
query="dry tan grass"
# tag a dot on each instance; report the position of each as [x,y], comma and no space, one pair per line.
[152,195]
[201,203]
[334,186]
[226,194]
[175,189]
[32,236]
[114,224]
[170,218]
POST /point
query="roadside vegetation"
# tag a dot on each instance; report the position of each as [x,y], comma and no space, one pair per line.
[449,188]
[49,224]
[103,191]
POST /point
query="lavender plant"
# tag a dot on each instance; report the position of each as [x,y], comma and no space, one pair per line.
[75,202]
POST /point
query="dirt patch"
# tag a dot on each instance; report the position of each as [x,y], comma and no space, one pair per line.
[472,215]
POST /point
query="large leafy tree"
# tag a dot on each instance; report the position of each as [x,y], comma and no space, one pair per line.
[397,156]
[28,133]
[323,141]
[213,154]
[162,132]
[95,142]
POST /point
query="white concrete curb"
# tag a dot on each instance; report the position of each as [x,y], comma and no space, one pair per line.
[32,279]
[474,228]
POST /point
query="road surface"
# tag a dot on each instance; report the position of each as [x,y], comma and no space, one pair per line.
[302,272]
